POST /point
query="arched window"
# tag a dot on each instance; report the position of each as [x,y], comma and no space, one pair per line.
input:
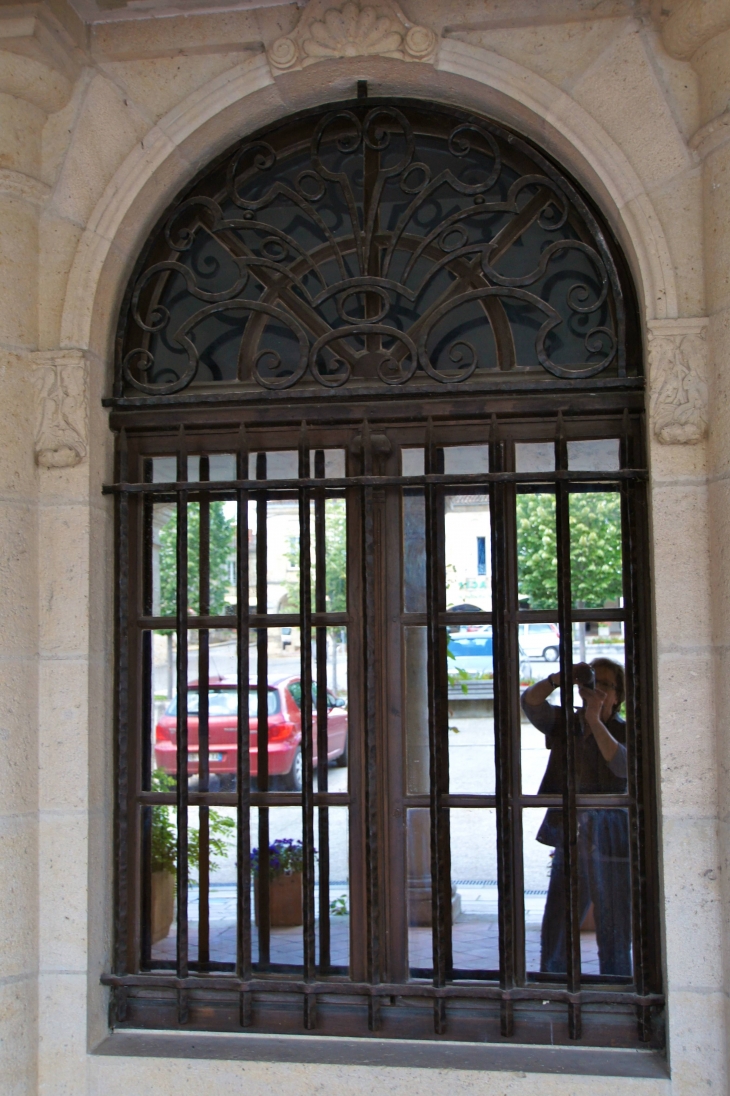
[381,494]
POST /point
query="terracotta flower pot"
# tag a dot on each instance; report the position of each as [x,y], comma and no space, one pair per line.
[162,904]
[285,900]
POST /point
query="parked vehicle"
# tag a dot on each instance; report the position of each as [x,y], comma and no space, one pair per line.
[284,731]
[540,641]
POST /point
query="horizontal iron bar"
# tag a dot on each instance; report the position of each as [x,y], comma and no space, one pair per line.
[451,480]
[461,800]
[258,799]
[256,620]
[472,991]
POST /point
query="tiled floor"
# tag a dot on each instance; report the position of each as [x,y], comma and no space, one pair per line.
[475,934]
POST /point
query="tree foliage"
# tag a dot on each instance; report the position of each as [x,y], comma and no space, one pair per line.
[222,546]
[595,549]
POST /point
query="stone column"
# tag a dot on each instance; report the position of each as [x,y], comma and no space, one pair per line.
[698,31]
[31,86]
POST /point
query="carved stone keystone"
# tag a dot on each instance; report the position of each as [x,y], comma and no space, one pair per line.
[351,29]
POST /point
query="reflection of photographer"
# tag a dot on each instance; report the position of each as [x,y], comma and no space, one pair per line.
[600,765]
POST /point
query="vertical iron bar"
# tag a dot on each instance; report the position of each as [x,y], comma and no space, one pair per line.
[305,635]
[371,753]
[122,806]
[182,706]
[437,743]
[320,602]
[504,683]
[243,766]
[146,722]
[262,719]
[203,722]
[570,815]
[634,738]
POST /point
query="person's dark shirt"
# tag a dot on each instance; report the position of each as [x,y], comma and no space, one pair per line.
[594,775]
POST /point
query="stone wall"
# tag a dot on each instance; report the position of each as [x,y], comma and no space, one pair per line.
[100,124]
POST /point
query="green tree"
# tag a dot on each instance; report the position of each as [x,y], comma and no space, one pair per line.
[222,546]
[595,549]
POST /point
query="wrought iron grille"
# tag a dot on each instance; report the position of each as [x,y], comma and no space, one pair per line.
[351,335]
[374,245]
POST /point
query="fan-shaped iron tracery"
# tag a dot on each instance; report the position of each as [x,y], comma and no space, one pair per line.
[374,244]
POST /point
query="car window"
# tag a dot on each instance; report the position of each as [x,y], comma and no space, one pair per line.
[224,702]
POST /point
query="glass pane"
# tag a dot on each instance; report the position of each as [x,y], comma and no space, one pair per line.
[475,931]
[537,863]
[221,466]
[596,572]
[282,649]
[279,465]
[160,840]
[594,456]
[334,821]
[283,826]
[471,711]
[469,459]
[282,553]
[164,560]
[604,891]
[414,551]
[416,711]
[334,463]
[212,885]
[540,715]
[418,859]
[412,462]
[468,552]
[337,711]
[534,456]
[335,546]
[537,558]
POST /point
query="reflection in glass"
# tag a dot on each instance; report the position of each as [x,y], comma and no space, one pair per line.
[467,547]
[418,860]
[416,711]
[537,556]
[603,849]
[221,466]
[475,927]
[335,822]
[414,551]
[471,711]
[469,459]
[281,934]
[595,549]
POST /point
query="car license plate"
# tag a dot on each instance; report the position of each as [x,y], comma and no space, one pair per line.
[211,757]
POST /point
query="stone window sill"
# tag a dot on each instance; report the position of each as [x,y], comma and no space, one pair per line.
[514,1058]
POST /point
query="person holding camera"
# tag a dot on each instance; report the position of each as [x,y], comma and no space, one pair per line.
[603,835]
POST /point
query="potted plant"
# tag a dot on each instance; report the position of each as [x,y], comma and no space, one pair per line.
[163,855]
[286,864]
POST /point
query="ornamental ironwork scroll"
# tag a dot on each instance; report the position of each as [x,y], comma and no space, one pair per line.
[373,245]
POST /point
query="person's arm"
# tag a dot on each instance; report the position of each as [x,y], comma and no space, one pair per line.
[537,694]
[607,744]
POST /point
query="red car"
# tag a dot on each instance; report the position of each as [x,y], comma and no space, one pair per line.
[285,731]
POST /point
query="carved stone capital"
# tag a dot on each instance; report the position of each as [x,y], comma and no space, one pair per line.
[678,380]
[60,383]
[349,28]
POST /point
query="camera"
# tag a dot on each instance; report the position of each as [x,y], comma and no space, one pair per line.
[584,675]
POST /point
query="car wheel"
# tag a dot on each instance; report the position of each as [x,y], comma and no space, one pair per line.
[292,780]
[341,761]
[550,654]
